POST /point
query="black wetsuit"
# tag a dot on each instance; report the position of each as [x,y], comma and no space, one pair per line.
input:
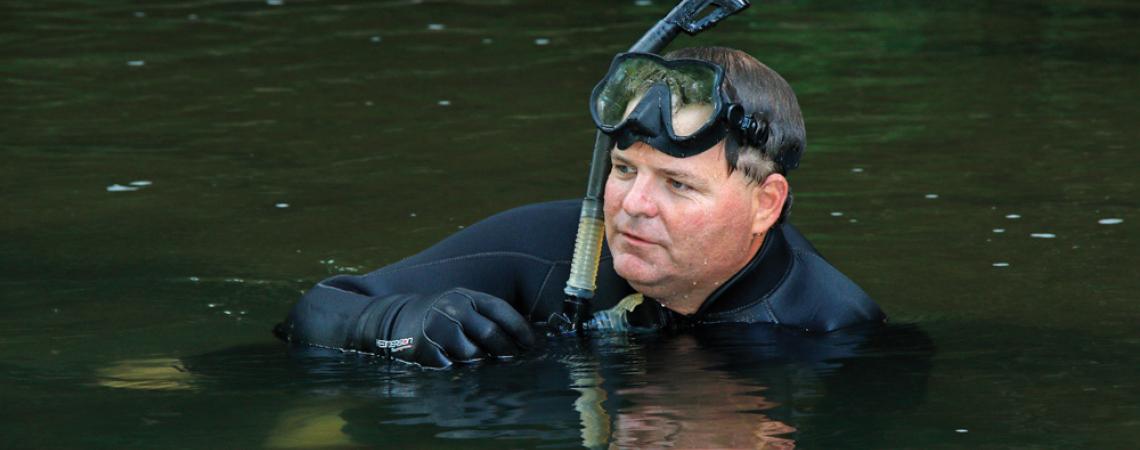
[523,256]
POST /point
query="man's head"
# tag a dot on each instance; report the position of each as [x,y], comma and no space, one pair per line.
[764,93]
[680,227]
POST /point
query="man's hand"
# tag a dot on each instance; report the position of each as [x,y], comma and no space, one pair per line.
[457,325]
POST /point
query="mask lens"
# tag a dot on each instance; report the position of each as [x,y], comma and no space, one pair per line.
[692,89]
[625,86]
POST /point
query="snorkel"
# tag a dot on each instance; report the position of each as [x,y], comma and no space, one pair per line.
[692,17]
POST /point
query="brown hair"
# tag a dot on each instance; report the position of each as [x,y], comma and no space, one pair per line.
[765,94]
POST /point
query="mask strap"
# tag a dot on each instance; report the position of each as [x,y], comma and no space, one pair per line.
[755,132]
[749,131]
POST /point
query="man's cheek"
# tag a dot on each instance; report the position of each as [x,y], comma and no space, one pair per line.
[611,197]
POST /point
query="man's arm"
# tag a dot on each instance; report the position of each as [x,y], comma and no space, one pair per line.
[510,267]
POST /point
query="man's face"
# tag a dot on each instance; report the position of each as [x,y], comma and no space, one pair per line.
[678,227]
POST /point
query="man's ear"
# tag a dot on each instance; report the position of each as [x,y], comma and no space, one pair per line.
[768,200]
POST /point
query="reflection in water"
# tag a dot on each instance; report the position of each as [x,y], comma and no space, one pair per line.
[587,380]
[234,108]
[146,374]
[677,403]
[309,426]
[725,387]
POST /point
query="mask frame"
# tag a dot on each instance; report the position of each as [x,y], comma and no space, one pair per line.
[651,120]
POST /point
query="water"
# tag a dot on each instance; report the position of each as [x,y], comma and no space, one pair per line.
[176,174]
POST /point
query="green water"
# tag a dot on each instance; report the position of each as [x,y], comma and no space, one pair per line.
[287,143]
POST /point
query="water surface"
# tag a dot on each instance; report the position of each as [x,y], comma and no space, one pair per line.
[176,174]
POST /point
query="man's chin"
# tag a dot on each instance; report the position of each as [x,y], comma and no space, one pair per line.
[639,273]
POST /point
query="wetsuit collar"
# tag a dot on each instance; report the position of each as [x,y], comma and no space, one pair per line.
[754,282]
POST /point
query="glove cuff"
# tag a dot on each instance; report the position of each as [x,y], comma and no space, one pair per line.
[373,330]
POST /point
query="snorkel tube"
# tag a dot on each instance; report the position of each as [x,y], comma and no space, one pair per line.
[692,17]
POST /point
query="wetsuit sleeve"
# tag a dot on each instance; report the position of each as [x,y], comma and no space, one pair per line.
[519,258]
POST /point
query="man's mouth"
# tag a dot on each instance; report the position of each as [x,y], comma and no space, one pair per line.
[636,239]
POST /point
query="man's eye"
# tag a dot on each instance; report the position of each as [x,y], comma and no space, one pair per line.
[678,186]
[623,169]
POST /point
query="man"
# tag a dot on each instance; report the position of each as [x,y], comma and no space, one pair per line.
[694,209]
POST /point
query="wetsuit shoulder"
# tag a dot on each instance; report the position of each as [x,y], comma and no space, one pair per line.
[507,255]
[521,255]
[542,230]
[816,296]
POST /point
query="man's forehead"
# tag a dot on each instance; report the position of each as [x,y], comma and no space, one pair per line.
[697,165]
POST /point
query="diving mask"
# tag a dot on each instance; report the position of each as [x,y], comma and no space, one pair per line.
[679,107]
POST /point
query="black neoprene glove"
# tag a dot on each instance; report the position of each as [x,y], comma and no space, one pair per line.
[457,325]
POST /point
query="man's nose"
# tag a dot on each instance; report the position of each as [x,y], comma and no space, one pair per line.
[640,200]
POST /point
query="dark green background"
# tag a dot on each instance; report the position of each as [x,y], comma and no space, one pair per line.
[997,107]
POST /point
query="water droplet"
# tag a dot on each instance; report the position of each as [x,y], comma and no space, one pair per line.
[852,220]
[836,214]
[412,215]
[435,26]
[961,430]
[999,230]
[857,169]
[541,41]
[136,63]
[444,102]
[228,312]
[211,305]
[1013,216]
[140,14]
[1112,221]
[1001,264]
[643,2]
[192,17]
[141,183]
[931,196]
[274,2]
[376,39]
[282,205]
[488,40]
[194,279]
[121,188]
[1042,235]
